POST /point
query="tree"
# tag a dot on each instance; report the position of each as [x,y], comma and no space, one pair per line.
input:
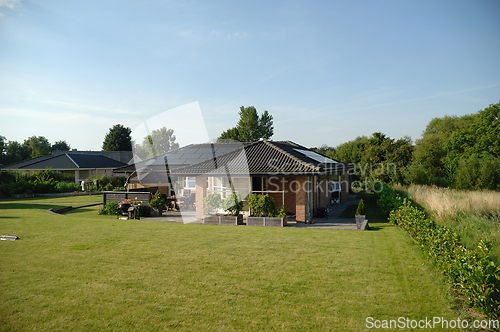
[38,146]
[118,139]
[250,127]
[61,146]
[16,152]
[159,142]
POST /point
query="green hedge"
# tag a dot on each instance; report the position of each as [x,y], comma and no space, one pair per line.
[470,271]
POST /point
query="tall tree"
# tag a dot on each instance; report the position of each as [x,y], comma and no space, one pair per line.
[38,146]
[118,139]
[16,152]
[250,127]
[159,142]
[61,146]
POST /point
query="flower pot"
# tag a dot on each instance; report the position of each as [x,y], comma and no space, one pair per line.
[359,220]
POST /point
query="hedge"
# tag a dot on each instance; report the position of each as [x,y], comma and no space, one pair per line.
[470,271]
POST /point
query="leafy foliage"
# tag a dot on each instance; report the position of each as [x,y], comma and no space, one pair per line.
[250,127]
[360,211]
[118,139]
[111,208]
[262,205]
[211,203]
[159,142]
[471,271]
[38,146]
[232,204]
[388,200]
[61,146]
[158,201]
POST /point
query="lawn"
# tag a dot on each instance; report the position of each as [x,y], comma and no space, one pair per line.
[78,273]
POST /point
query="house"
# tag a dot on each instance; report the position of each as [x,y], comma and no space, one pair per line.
[82,165]
[295,176]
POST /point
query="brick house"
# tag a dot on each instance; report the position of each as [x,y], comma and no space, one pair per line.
[293,175]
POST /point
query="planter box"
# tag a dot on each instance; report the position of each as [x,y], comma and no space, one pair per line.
[255,221]
[359,220]
[266,221]
[223,220]
[231,220]
[211,220]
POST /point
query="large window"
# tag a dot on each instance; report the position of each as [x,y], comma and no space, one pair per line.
[240,185]
[190,182]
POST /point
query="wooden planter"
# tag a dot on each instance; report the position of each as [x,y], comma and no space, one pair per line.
[223,220]
[266,221]
[211,220]
[231,220]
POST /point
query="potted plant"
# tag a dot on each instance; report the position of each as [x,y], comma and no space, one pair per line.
[268,206]
[158,202]
[360,214]
[232,205]
[210,205]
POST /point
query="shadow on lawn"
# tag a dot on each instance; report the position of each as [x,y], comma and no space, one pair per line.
[32,206]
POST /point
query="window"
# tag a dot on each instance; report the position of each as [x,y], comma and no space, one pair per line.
[190,182]
[240,185]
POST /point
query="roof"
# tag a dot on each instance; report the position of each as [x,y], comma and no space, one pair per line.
[256,158]
[266,158]
[188,155]
[66,161]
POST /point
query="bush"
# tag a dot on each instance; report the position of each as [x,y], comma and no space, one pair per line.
[232,204]
[211,203]
[478,171]
[471,271]
[360,211]
[111,208]
[388,200]
[262,204]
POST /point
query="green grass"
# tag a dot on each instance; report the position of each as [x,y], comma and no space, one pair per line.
[473,214]
[56,200]
[72,273]
[473,228]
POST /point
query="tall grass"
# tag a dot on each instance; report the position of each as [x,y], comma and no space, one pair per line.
[474,215]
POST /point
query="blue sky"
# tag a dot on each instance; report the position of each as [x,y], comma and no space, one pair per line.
[327,71]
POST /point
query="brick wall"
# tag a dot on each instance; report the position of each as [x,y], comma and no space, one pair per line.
[301,198]
[344,187]
[201,192]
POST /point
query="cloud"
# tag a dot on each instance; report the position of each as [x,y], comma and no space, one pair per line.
[9,3]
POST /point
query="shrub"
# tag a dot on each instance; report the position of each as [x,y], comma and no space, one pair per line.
[262,204]
[360,211]
[471,271]
[478,171]
[388,200]
[282,212]
[232,204]
[158,202]
[211,203]
[111,208]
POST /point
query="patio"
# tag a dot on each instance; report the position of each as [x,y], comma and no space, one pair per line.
[332,219]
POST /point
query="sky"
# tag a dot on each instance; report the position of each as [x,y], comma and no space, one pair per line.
[327,71]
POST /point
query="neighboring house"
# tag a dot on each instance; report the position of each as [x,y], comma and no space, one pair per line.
[293,175]
[82,165]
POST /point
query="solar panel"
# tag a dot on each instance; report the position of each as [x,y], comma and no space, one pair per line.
[316,156]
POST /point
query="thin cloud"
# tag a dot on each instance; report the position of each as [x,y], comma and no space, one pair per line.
[9,3]
[74,106]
